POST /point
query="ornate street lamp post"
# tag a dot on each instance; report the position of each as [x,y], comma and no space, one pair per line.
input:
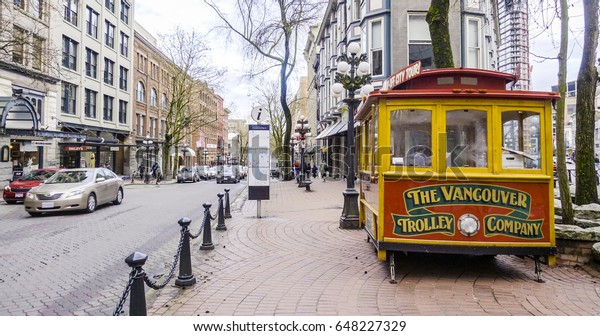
[302,132]
[357,78]
[148,144]
[184,150]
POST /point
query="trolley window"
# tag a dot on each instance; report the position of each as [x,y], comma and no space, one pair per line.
[411,137]
[466,138]
[521,140]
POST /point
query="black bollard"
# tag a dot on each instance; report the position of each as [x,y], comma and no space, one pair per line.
[206,233]
[227,209]
[137,299]
[186,277]
[221,216]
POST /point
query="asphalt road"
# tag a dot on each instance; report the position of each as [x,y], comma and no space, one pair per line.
[73,263]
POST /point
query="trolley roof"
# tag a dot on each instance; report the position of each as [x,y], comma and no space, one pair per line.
[460,83]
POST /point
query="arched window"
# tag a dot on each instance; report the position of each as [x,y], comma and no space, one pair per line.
[153,97]
[141,92]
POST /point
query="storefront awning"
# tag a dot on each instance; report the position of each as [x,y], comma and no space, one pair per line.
[188,151]
[337,129]
[326,131]
[344,129]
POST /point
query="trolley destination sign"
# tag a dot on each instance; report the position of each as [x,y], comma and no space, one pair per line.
[420,220]
[402,76]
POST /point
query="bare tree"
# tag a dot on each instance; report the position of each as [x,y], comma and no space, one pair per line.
[270,29]
[268,99]
[561,165]
[25,40]
[192,74]
[586,92]
[437,19]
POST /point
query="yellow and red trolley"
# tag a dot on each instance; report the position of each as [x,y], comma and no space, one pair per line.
[451,161]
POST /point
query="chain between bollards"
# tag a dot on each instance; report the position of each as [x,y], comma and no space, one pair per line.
[207,234]
[227,208]
[186,277]
[221,216]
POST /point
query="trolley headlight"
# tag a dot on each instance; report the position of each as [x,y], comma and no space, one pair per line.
[468,225]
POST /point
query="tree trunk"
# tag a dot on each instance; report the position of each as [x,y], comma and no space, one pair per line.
[437,18]
[561,165]
[586,188]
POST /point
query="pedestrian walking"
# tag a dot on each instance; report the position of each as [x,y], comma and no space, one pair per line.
[314,171]
[323,170]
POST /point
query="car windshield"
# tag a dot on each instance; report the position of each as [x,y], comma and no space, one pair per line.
[38,175]
[228,170]
[70,177]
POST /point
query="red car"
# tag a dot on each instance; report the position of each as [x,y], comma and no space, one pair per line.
[16,190]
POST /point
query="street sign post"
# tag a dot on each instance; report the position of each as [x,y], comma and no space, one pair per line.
[258,163]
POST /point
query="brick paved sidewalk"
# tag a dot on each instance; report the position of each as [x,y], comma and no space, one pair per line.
[295,261]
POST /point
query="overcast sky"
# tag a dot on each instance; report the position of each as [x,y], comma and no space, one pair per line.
[160,17]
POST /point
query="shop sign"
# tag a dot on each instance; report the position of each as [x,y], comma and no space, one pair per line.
[114,149]
[211,146]
[420,220]
[41,143]
[75,148]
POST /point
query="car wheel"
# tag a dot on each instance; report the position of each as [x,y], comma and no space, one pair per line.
[35,214]
[119,199]
[91,203]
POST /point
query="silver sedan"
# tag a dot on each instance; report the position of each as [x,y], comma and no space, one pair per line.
[75,189]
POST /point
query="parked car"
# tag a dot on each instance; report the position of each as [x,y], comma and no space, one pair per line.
[75,189]
[17,189]
[203,172]
[187,174]
[212,172]
[227,175]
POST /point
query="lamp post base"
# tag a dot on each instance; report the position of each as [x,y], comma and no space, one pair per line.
[350,218]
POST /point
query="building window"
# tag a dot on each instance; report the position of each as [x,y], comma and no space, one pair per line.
[91,63]
[473,43]
[124,12]
[152,127]
[124,44]
[376,53]
[419,41]
[91,23]
[153,97]
[69,53]
[356,10]
[71,10]
[68,100]
[38,52]
[90,103]
[19,36]
[37,8]
[141,92]
[108,107]
[474,4]
[123,74]
[20,3]
[163,101]
[110,5]
[109,34]
[108,71]
[122,111]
